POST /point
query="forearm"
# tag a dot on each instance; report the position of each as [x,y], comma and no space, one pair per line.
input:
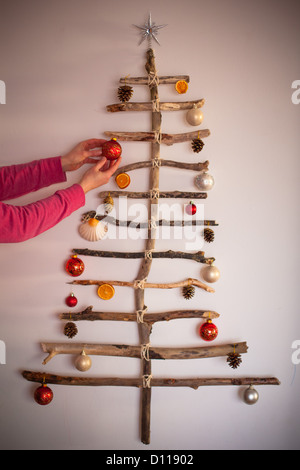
[17,180]
[20,223]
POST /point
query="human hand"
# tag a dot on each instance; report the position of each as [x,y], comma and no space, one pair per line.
[99,174]
[82,153]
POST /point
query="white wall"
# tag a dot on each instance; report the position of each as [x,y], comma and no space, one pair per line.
[61,62]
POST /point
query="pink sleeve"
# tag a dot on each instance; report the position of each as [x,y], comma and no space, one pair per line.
[19,223]
[17,180]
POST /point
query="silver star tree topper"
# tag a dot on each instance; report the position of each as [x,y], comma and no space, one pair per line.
[149,31]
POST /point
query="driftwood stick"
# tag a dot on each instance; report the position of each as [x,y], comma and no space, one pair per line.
[125,350]
[168,163]
[145,285]
[164,80]
[155,382]
[145,266]
[194,383]
[137,225]
[163,106]
[198,256]
[168,139]
[89,315]
[152,194]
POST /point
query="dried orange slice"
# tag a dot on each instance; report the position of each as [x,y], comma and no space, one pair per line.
[181,87]
[106,291]
[123,180]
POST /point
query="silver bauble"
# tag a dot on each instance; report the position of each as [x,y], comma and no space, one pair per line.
[194,116]
[204,181]
[251,396]
[83,362]
[210,273]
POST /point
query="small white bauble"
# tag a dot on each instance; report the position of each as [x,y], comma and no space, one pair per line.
[251,396]
[83,362]
[204,181]
[194,116]
[210,273]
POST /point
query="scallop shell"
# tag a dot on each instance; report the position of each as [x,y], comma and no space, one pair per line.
[92,230]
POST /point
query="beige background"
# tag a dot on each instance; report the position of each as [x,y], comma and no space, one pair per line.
[61,62]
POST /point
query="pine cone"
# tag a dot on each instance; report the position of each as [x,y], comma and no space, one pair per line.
[125,93]
[209,235]
[234,360]
[70,330]
[108,204]
[188,292]
[197,145]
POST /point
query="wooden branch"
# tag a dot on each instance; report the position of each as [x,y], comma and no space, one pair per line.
[145,266]
[164,80]
[163,106]
[198,256]
[149,194]
[199,166]
[125,350]
[146,285]
[168,139]
[194,383]
[139,225]
[88,315]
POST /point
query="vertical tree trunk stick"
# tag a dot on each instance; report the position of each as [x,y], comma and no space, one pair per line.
[144,328]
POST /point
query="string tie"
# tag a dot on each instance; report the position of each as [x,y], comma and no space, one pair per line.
[147,381]
[140,315]
[145,352]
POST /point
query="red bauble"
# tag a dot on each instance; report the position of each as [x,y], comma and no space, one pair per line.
[71,300]
[208,331]
[111,149]
[74,266]
[43,395]
[191,208]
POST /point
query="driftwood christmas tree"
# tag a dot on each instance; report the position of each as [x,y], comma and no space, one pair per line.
[144,319]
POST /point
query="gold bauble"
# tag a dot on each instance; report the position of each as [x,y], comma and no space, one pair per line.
[210,273]
[83,362]
[194,116]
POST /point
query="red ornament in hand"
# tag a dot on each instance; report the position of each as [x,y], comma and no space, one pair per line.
[74,266]
[208,331]
[43,395]
[191,208]
[71,300]
[111,149]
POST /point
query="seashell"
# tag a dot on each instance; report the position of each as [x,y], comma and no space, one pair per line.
[92,230]
[108,204]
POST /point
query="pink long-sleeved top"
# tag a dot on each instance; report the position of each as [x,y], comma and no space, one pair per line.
[20,223]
